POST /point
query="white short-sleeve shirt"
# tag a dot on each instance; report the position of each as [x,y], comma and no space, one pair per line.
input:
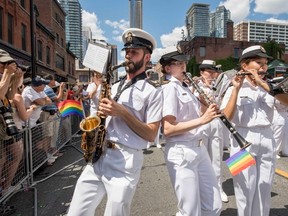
[254,106]
[29,95]
[95,100]
[144,101]
[178,101]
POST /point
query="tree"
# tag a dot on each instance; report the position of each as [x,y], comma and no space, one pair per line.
[273,48]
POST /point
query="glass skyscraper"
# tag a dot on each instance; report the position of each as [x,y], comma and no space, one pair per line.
[218,22]
[73,26]
[197,20]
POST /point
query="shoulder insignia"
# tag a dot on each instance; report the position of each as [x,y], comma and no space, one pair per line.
[153,83]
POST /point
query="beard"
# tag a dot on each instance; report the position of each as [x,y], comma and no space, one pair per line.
[133,67]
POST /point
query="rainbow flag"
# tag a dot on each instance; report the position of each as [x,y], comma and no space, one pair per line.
[240,161]
[70,107]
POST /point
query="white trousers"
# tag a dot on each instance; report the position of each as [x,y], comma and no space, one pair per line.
[253,185]
[116,175]
[193,179]
[213,140]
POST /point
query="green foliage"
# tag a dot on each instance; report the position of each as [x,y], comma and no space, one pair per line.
[193,67]
[228,63]
[273,48]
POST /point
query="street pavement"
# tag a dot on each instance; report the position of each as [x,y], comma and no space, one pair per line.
[52,188]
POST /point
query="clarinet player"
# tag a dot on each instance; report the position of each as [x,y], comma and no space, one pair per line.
[134,115]
[187,159]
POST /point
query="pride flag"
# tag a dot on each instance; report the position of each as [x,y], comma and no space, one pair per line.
[70,107]
[240,161]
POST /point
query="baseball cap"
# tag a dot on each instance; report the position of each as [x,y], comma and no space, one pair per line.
[37,81]
[210,64]
[138,38]
[254,51]
[5,57]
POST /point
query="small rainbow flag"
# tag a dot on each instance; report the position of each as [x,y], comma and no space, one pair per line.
[240,161]
[70,107]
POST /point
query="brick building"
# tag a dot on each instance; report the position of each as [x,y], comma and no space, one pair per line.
[216,48]
[50,55]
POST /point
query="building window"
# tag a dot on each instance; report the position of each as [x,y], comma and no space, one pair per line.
[10,28]
[57,38]
[22,3]
[39,50]
[83,78]
[23,36]
[202,51]
[48,53]
[62,42]
[60,62]
[236,53]
[1,23]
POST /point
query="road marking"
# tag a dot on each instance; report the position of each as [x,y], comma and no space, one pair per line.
[281,173]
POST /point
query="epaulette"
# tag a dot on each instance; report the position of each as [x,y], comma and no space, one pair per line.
[153,83]
[164,82]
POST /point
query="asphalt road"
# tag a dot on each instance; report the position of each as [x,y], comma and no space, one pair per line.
[52,189]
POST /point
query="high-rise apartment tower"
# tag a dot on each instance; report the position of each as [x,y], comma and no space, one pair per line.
[73,26]
[197,20]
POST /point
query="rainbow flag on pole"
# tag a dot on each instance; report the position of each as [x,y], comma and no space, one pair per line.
[240,161]
[70,107]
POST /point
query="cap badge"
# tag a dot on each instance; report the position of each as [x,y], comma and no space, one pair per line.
[179,50]
[262,49]
[129,37]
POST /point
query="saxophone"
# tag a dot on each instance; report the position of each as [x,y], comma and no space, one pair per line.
[94,126]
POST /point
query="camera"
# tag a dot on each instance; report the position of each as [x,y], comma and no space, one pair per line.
[11,128]
[24,68]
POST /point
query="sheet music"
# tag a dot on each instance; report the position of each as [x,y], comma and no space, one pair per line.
[96,57]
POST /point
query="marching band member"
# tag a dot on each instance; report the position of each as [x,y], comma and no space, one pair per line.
[187,160]
[213,131]
[133,119]
[251,110]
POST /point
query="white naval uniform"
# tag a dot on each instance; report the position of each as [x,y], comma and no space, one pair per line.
[117,171]
[279,124]
[188,162]
[252,118]
[213,139]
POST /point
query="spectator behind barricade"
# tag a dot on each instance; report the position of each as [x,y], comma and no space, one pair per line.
[50,112]
[77,90]
[34,94]
[11,78]
[94,90]
[16,146]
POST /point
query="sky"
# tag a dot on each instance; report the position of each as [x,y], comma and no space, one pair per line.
[165,19]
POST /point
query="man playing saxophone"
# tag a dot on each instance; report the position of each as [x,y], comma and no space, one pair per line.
[133,118]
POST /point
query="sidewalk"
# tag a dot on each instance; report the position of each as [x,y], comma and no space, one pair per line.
[154,195]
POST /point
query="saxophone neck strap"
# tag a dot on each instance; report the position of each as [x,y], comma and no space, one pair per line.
[140,76]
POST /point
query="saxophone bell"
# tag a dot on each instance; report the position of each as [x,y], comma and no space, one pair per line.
[90,123]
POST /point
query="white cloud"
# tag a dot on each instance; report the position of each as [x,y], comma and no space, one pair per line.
[91,20]
[274,7]
[239,9]
[118,28]
[168,40]
[277,20]
[172,38]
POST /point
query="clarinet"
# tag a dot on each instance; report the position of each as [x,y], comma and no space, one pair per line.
[240,140]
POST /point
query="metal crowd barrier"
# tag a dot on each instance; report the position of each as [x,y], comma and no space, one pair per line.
[21,159]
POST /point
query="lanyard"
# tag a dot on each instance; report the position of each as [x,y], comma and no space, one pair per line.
[131,82]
